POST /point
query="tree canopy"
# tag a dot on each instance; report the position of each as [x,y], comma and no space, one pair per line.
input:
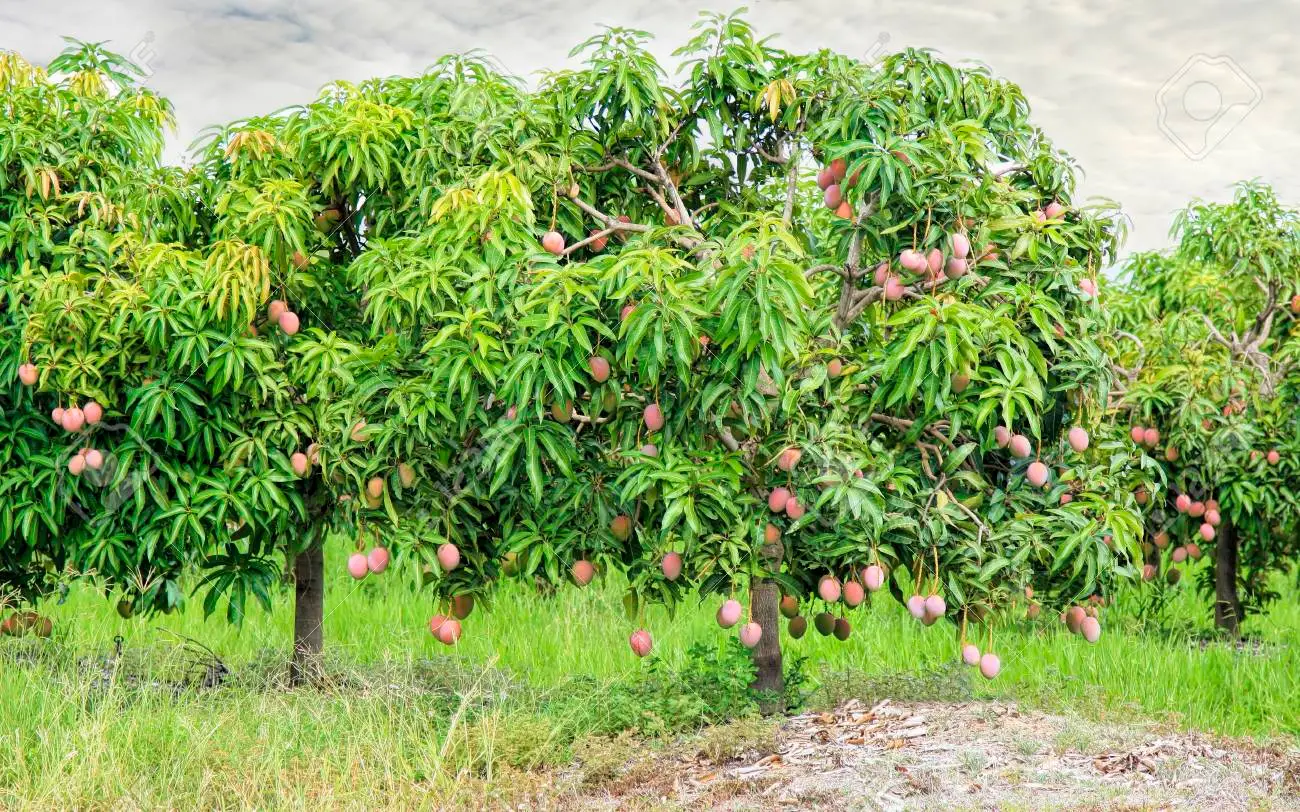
[780,316]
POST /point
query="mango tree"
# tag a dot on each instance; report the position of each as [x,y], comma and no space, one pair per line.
[1205,339]
[80,145]
[797,323]
[764,327]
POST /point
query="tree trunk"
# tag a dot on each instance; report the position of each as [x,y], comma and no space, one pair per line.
[1227,605]
[308,615]
[764,609]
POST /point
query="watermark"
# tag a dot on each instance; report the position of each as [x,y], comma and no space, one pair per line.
[1203,102]
[142,56]
[876,51]
[96,483]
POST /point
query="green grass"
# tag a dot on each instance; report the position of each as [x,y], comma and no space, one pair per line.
[408,720]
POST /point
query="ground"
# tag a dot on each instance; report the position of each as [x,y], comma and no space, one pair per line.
[931,755]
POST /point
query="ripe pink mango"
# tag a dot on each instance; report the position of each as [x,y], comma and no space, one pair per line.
[776,501]
[583,571]
[671,566]
[1001,436]
[73,419]
[934,262]
[788,459]
[1207,531]
[1020,446]
[357,566]
[1137,433]
[94,459]
[1091,629]
[828,588]
[854,595]
[935,606]
[916,606]
[794,508]
[990,666]
[912,260]
[874,577]
[1183,503]
[599,368]
[449,632]
[960,246]
[553,241]
[1151,437]
[448,556]
[750,634]
[377,560]
[288,322]
[654,417]
[1037,474]
[27,374]
[832,198]
[893,289]
[641,642]
[1078,439]
[729,613]
[970,654]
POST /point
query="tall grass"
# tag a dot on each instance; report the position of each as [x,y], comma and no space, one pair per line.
[406,716]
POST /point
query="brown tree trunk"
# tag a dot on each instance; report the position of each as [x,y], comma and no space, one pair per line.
[308,615]
[1227,605]
[764,609]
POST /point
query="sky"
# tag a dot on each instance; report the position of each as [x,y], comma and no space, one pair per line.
[1159,101]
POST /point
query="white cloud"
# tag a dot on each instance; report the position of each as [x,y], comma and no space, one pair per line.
[1091,70]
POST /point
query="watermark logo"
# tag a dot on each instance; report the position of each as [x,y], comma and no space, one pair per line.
[1203,102]
[143,56]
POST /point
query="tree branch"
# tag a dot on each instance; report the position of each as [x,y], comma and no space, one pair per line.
[592,238]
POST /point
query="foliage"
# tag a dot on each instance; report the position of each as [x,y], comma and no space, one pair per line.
[400,219]
[1205,335]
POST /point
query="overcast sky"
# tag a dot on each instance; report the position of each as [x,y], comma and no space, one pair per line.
[1095,72]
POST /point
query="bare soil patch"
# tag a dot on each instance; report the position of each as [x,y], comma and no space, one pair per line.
[929,755]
